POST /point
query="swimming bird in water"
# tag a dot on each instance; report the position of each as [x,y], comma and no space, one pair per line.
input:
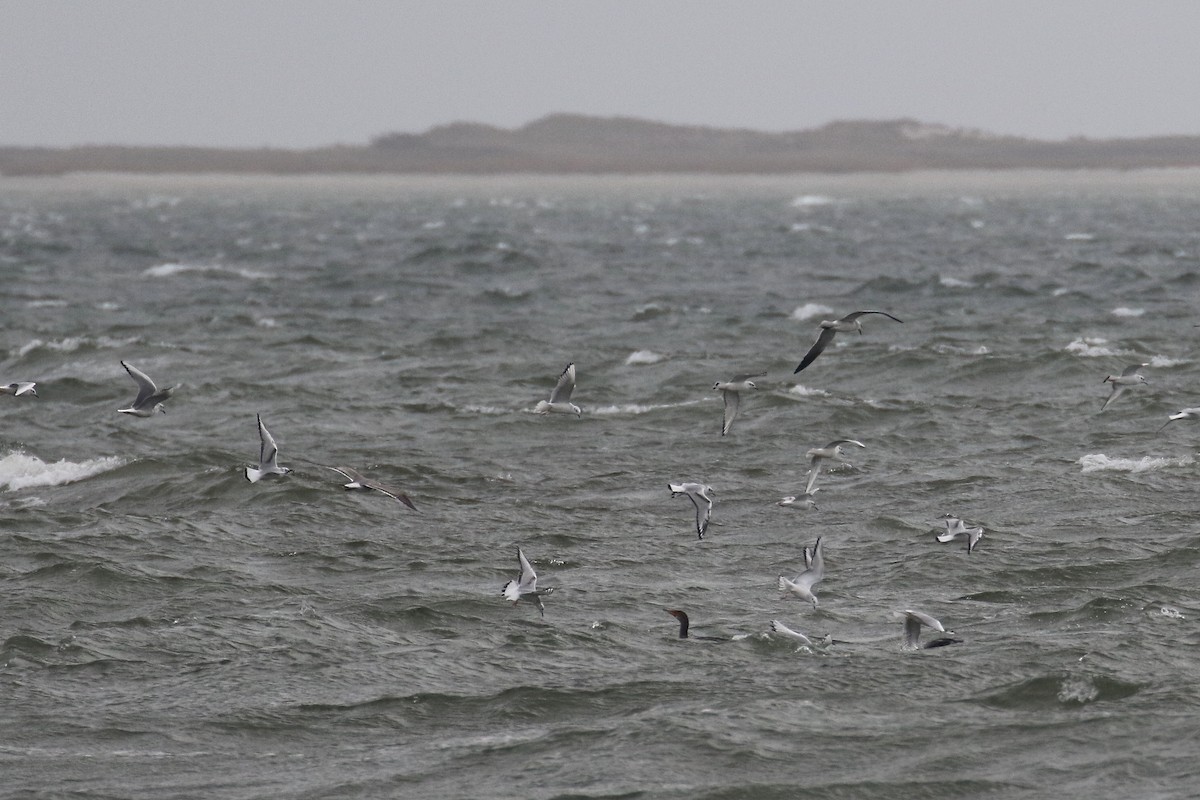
[833,452]
[1187,413]
[784,630]
[357,482]
[802,585]
[684,624]
[268,453]
[20,389]
[525,586]
[807,501]
[829,327]
[700,495]
[955,528]
[560,397]
[1128,377]
[913,620]
[731,392]
[149,397]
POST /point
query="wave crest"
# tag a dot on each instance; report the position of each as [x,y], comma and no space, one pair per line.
[21,471]
[1099,462]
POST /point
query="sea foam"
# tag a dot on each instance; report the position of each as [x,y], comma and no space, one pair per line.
[21,471]
[810,310]
[1098,462]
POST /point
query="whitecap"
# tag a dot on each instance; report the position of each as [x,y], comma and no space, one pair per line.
[955,283]
[70,344]
[1091,347]
[640,357]
[170,269]
[801,390]
[1099,462]
[46,304]
[810,310]
[811,200]
[1079,237]
[1163,361]
[1122,311]
[21,471]
[638,408]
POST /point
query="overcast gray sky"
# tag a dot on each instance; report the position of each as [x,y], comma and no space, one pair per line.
[300,73]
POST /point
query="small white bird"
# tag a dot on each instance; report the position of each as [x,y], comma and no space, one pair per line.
[149,397]
[560,397]
[829,327]
[700,495]
[20,389]
[833,452]
[806,501]
[731,392]
[955,528]
[268,453]
[1128,377]
[363,484]
[525,586]
[784,630]
[802,585]
[913,620]
[1187,413]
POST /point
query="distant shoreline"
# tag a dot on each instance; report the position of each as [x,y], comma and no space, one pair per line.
[579,145]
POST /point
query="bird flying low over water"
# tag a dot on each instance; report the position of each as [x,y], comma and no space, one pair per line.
[560,397]
[829,327]
[149,397]
[699,494]
[833,452]
[955,528]
[913,620]
[802,585]
[268,453]
[807,501]
[1187,413]
[357,482]
[525,586]
[1128,377]
[731,392]
[20,389]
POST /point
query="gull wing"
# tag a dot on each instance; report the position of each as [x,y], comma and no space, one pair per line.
[853,315]
[527,583]
[823,340]
[732,403]
[564,387]
[146,387]
[267,449]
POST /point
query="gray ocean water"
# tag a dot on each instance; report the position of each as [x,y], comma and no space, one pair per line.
[170,630]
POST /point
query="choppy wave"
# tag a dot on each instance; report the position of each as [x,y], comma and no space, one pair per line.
[21,471]
[1099,462]
[1092,347]
[72,343]
[1124,311]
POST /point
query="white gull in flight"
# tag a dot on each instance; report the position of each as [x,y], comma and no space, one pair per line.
[149,397]
[833,452]
[20,389]
[1128,377]
[700,495]
[560,397]
[268,453]
[525,586]
[802,585]
[731,392]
